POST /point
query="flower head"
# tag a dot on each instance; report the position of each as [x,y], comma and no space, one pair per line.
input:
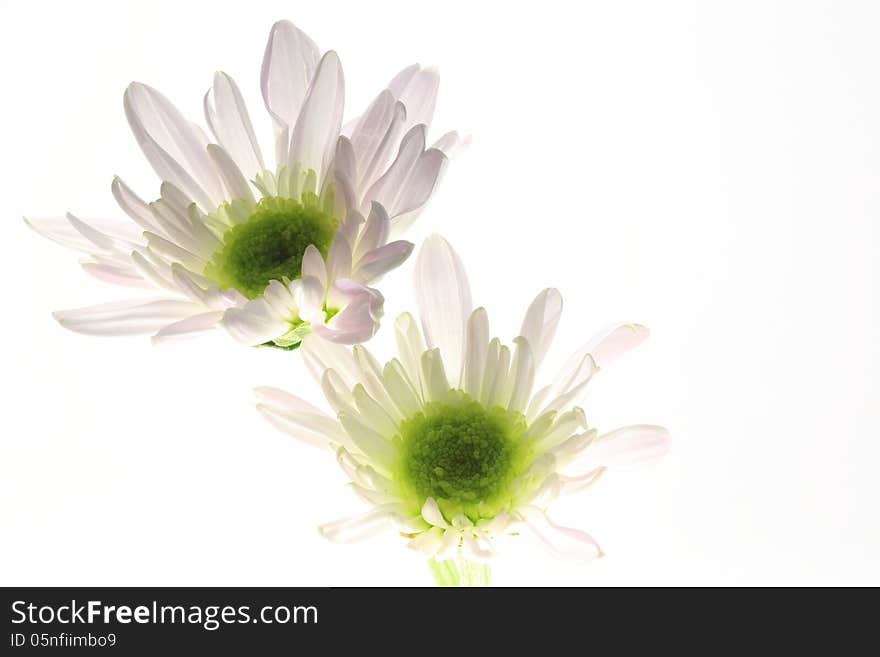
[276,253]
[450,440]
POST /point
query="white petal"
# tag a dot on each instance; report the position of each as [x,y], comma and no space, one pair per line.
[132,317]
[522,375]
[373,413]
[375,232]
[373,380]
[228,117]
[278,399]
[494,394]
[431,512]
[476,346]
[416,189]
[567,390]
[236,184]
[400,389]
[308,297]
[289,64]
[317,127]
[171,252]
[617,342]
[434,375]
[390,186]
[321,355]
[577,483]
[607,346]
[476,552]
[565,425]
[417,89]
[410,347]
[63,231]
[541,321]
[298,418]
[639,444]
[370,138]
[449,143]
[255,323]
[356,528]
[339,258]
[378,262]
[189,327]
[172,145]
[443,297]
[337,393]
[313,265]
[375,446]
[133,205]
[428,542]
[493,352]
[563,541]
[110,272]
[361,308]
[569,450]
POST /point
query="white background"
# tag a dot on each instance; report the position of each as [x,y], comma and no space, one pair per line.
[707,169]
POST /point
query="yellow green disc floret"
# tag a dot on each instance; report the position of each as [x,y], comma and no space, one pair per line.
[463,455]
[270,244]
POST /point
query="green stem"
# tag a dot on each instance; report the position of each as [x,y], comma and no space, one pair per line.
[459,571]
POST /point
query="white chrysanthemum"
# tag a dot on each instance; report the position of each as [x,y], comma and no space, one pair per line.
[449,440]
[271,254]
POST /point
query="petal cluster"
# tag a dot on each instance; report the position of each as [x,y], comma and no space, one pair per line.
[451,351]
[374,174]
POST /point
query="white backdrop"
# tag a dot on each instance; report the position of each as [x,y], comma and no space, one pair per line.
[707,169]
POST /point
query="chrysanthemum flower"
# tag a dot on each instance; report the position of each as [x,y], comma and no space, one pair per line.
[270,253]
[449,440]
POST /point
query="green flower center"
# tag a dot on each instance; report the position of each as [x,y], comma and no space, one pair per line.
[271,243]
[463,455]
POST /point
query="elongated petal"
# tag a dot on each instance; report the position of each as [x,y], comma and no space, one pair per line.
[522,375]
[339,258]
[639,444]
[189,327]
[389,188]
[416,88]
[410,347]
[317,127]
[607,346]
[93,237]
[417,187]
[313,265]
[255,323]
[289,65]
[370,137]
[376,447]
[237,186]
[431,512]
[228,117]
[298,418]
[133,205]
[541,321]
[378,262]
[126,275]
[282,400]
[375,231]
[321,355]
[476,346]
[563,541]
[434,375]
[356,528]
[443,297]
[172,145]
[132,317]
